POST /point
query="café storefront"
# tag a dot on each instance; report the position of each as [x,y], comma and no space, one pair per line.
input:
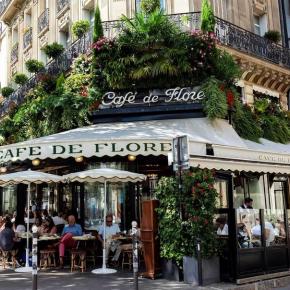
[138,138]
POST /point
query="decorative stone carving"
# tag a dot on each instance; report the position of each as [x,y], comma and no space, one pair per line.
[64,20]
[259,7]
[43,40]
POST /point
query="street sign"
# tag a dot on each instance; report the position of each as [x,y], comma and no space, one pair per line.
[180,153]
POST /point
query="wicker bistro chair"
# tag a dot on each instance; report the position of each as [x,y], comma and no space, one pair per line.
[78,260]
[47,258]
[5,258]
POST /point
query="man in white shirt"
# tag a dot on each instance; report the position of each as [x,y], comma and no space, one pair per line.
[223,229]
[112,232]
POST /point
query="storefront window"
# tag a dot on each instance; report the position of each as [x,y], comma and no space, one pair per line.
[248,228]
[116,199]
[275,231]
[238,190]
[221,187]
[277,195]
[94,203]
[9,200]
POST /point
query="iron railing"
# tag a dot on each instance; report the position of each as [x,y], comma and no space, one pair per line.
[61,4]
[14,53]
[227,33]
[43,20]
[3,5]
[27,38]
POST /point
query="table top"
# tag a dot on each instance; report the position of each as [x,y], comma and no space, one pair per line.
[84,238]
[121,238]
[48,238]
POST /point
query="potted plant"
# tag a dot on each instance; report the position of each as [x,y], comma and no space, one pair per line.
[34,66]
[273,35]
[80,28]
[20,79]
[6,91]
[53,50]
[199,210]
[185,217]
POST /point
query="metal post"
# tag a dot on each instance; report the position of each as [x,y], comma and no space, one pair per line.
[135,254]
[199,261]
[34,258]
[179,164]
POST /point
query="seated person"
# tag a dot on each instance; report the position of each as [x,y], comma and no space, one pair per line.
[38,224]
[48,226]
[269,232]
[223,229]
[112,230]
[243,236]
[18,225]
[70,230]
[7,237]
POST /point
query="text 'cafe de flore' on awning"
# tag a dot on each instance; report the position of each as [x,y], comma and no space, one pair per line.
[139,140]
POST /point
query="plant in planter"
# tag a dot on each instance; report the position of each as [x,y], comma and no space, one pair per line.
[34,66]
[20,79]
[273,35]
[207,17]
[6,91]
[53,50]
[80,28]
[197,203]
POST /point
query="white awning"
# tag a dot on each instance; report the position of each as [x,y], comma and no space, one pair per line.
[237,165]
[138,138]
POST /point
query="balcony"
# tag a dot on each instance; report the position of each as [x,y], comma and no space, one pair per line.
[62,6]
[229,35]
[27,39]
[14,53]
[43,21]
[8,8]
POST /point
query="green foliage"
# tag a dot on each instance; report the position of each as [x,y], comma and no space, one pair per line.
[149,6]
[80,28]
[207,17]
[225,67]
[246,123]
[273,35]
[98,27]
[20,78]
[215,102]
[261,105]
[6,91]
[275,129]
[75,83]
[34,66]
[53,50]
[197,202]
[82,64]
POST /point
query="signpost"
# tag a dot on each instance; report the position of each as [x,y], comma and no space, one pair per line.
[135,254]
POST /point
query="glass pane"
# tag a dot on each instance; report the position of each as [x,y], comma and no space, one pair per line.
[277,195]
[94,204]
[238,191]
[9,199]
[248,228]
[275,233]
[221,187]
[256,192]
[221,223]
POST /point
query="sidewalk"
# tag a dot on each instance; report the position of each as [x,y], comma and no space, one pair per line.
[64,279]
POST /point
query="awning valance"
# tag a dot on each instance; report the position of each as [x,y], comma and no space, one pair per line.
[237,165]
[138,138]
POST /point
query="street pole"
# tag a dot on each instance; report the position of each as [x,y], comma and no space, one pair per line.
[179,164]
[135,254]
[199,261]
[34,258]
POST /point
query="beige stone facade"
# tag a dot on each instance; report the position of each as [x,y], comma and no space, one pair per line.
[33,23]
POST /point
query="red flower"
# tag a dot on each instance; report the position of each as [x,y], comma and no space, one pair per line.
[84,92]
[230,98]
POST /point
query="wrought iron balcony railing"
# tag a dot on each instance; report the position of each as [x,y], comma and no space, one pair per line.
[14,53]
[3,5]
[61,4]
[27,38]
[43,20]
[228,34]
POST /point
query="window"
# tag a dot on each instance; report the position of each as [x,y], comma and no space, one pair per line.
[260,24]
[15,36]
[221,187]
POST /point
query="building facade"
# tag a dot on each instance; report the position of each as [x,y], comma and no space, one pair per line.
[240,27]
